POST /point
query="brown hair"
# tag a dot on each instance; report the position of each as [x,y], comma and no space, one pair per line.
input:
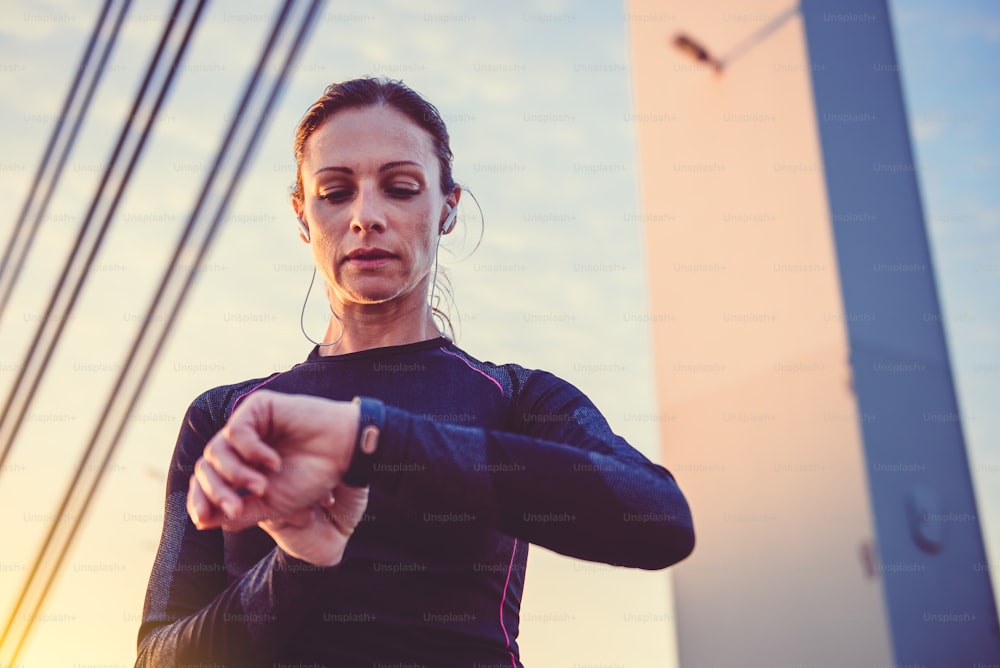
[374,91]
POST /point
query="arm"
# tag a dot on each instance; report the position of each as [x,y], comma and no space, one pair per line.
[192,614]
[558,477]
[562,480]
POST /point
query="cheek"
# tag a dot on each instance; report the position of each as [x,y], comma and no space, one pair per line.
[321,239]
[327,230]
[429,247]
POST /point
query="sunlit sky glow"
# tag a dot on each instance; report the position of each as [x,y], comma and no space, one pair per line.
[538,101]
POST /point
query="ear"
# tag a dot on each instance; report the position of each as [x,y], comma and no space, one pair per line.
[300,214]
[451,202]
[455,195]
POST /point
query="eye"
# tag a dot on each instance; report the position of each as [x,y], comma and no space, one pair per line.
[403,192]
[334,195]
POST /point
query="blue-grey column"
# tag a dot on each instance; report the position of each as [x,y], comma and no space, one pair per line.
[937,590]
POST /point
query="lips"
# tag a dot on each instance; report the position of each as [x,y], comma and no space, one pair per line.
[369,257]
[369,254]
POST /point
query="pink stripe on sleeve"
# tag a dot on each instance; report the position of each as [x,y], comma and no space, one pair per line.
[479,371]
[254,389]
[506,636]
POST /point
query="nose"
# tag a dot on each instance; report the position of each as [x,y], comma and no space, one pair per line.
[368,214]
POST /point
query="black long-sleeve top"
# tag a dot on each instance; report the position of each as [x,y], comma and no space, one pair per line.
[475,461]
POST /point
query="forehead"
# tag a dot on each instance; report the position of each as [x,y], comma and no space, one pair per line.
[367,137]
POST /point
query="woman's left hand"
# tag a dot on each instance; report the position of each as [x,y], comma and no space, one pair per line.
[319,533]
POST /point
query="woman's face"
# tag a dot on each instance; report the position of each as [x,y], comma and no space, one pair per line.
[373,203]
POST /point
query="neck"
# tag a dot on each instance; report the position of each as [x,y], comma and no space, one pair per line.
[369,326]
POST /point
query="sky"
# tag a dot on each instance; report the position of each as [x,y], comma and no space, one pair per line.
[949,59]
[537,97]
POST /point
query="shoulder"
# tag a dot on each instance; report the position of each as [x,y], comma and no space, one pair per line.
[548,406]
[514,379]
[205,416]
[208,413]
[215,405]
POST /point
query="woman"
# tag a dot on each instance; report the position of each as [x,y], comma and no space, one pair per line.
[304,527]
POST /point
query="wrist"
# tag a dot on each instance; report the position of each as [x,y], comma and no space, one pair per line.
[289,562]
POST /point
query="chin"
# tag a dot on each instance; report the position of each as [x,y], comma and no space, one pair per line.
[365,292]
[373,289]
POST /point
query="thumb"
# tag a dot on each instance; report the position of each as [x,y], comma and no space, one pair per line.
[349,504]
[300,519]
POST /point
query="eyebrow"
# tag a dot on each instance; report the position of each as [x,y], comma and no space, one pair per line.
[383,168]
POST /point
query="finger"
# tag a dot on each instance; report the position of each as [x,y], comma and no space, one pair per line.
[243,434]
[228,464]
[201,511]
[251,425]
[217,491]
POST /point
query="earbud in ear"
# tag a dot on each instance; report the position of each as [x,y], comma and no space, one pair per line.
[449,222]
[304,228]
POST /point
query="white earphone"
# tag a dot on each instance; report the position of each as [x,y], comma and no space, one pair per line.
[449,222]
[304,227]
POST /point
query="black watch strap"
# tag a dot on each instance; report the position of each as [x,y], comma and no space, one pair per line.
[362,467]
